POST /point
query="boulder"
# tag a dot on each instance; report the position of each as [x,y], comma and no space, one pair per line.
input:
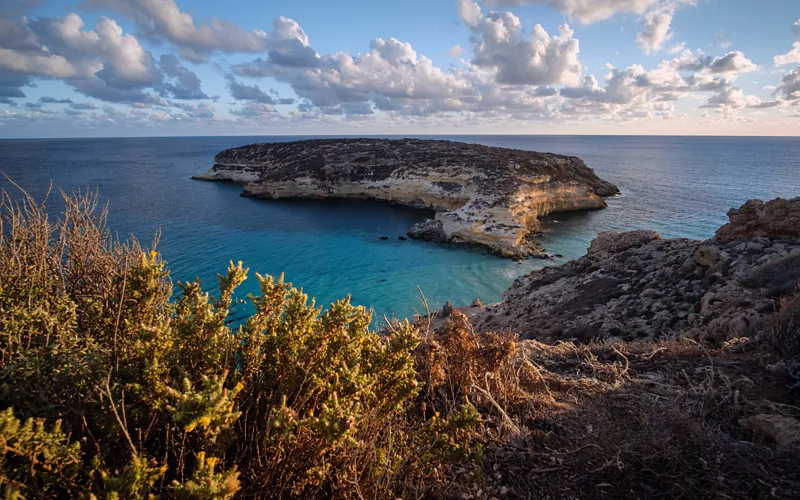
[430,230]
[783,431]
[778,218]
[707,255]
[614,241]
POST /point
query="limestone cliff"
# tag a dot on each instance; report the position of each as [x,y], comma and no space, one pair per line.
[638,285]
[482,195]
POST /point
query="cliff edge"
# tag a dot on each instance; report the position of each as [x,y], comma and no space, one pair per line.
[638,285]
[482,195]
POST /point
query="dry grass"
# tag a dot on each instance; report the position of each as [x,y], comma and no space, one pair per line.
[641,420]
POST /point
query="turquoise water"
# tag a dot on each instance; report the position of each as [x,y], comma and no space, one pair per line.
[679,186]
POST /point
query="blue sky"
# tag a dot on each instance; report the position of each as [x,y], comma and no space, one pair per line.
[175,67]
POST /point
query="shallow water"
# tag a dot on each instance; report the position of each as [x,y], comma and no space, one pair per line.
[679,186]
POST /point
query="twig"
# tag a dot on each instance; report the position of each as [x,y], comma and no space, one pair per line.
[488,395]
[116,414]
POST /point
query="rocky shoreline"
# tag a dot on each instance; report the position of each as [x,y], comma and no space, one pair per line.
[487,196]
[636,285]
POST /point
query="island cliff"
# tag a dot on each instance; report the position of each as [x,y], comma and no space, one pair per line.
[482,195]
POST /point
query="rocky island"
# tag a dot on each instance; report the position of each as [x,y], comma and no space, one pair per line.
[487,196]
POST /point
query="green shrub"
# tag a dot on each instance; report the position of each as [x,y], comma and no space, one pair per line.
[145,394]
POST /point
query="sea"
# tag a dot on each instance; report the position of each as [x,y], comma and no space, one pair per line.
[681,187]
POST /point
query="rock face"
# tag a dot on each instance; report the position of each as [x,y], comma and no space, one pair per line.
[637,285]
[779,218]
[482,195]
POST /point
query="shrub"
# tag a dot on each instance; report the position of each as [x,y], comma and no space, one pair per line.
[127,392]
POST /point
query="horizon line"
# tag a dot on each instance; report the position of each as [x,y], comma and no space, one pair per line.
[388,135]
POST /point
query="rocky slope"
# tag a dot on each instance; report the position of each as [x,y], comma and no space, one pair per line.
[482,195]
[638,285]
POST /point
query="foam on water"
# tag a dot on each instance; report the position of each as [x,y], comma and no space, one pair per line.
[679,186]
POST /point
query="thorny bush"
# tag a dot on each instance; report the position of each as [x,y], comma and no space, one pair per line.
[112,388]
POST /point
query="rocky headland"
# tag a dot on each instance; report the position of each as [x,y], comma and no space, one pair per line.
[487,196]
[636,285]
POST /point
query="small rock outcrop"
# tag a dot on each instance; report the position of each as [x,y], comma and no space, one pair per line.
[613,241]
[429,230]
[482,195]
[778,218]
[637,285]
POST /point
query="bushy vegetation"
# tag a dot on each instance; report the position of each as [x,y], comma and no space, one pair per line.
[112,387]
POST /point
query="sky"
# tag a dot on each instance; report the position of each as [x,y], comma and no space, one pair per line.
[90,68]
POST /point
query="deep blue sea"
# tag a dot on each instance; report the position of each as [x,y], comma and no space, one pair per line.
[679,186]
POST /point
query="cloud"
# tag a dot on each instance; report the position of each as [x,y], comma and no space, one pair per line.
[106,53]
[112,111]
[587,11]
[540,59]
[470,12]
[82,105]
[162,19]
[33,105]
[656,15]
[35,64]
[54,100]
[11,84]
[182,83]
[732,62]
[254,110]
[789,88]
[455,51]
[253,93]
[791,57]
[201,110]
[104,63]
[732,98]
[655,29]
[391,70]
[505,72]
[796,28]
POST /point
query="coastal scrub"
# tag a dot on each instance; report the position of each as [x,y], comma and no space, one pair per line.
[113,386]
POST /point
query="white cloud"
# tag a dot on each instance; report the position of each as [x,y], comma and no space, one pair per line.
[163,19]
[470,12]
[588,11]
[120,55]
[455,51]
[655,29]
[36,64]
[732,98]
[390,70]
[506,73]
[791,57]
[732,62]
[539,59]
